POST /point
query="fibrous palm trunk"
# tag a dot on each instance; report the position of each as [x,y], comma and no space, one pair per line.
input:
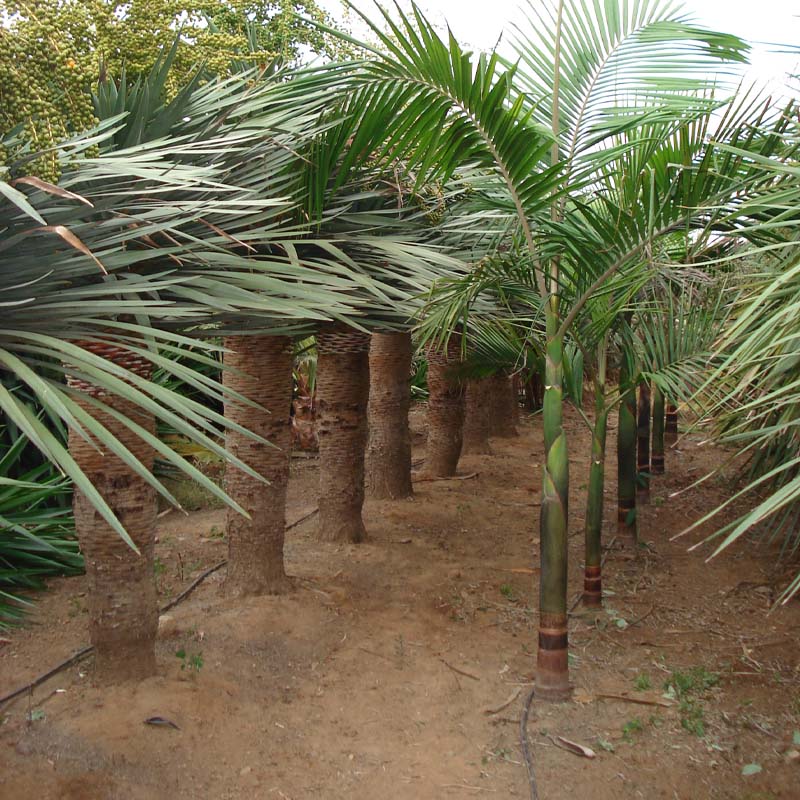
[445,410]
[643,444]
[657,454]
[477,417]
[671,424]
[626,462]
[552,663]
[260,369]
[388,464]
[121,591]
[504,413]
[342,399]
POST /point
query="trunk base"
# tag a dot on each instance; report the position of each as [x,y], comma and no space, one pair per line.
[119,662]
[657,464]
[552,664]
[341,530]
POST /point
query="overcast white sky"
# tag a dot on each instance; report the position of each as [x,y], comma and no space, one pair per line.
[765,23]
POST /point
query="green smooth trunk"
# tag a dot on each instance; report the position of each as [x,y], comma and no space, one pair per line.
[626,461]
[552,674]
[592,580]
[657,454]
[643,444]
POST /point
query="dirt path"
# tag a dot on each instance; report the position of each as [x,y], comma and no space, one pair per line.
[374,678]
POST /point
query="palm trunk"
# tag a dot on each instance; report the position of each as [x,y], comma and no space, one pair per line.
[626,461]
[261,370]
[445,411]
[643,444]
[552,668]
[671,424]
[388,460]
[657,455]
[504,413]
[592,581]
[342,399]
[122,601]
[477,418]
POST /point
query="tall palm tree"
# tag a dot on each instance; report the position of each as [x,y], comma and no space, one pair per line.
[259,367]
[342,398]
[388,464]
[446,407]
[493,119]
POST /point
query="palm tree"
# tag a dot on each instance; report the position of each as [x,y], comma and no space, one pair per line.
[471,109]
[342,398]
[446,406]
[258,367]
[388,460]
[478,415]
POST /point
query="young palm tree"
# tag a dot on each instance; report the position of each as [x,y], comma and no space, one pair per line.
[570,68]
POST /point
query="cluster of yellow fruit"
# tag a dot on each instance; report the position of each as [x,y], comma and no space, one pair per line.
[52,53]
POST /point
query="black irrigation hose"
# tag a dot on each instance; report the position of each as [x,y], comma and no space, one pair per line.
[84,652]
[525,744]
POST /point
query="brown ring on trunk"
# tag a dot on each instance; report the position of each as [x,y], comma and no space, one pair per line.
[593,587]
[657,464]
[552,662]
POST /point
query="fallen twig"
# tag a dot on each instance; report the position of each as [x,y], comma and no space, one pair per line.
[642,701]
[422,478]
[642,618]
[503,706]
[459,671]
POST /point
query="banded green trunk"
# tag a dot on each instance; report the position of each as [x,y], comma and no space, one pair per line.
[626,460]
[552,673]
[592,577]
[657,454]
[643,444]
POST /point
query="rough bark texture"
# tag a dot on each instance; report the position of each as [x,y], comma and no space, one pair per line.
[477,417]
[445,411]
[261,370]
[388,467]
[671,424]
[657,454]
[504,415]
[643,444]
[121,591]
[342,398]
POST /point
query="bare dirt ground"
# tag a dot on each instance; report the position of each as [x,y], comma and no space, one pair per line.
[377,677]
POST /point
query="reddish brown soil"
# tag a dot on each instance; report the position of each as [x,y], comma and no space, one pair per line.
[374,679]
